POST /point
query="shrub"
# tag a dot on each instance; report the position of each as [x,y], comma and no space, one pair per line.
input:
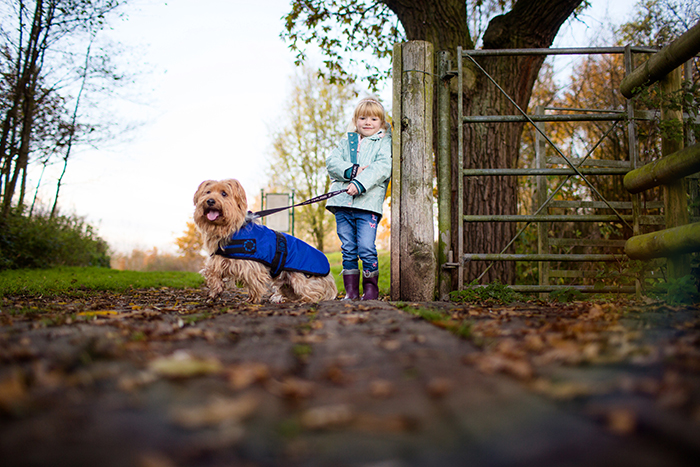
[491,293]
[682,291]
[566,295]
[41,241]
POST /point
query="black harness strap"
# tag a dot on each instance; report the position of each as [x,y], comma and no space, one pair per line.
[280,255]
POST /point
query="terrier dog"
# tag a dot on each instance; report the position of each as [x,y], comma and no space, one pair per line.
[241,250]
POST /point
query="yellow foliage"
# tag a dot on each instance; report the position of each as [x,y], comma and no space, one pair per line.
[190,243]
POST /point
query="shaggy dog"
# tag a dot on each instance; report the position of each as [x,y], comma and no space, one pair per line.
[221,213]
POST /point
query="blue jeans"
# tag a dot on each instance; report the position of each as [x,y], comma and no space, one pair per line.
[358,231]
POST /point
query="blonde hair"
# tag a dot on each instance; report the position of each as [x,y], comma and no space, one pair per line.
[369,108]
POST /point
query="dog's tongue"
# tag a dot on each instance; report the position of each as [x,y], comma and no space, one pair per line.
[213,215]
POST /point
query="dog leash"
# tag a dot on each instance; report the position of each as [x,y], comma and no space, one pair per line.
[316,199]
[354,142]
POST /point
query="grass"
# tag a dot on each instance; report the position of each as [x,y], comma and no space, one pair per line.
[77,280]
[384,282]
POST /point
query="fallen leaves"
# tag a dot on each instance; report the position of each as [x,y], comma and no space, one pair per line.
[326,417]
[291,388]
[390,345]
[101,313]
[335,367]
[246,374]
[572,351]
[439,387]
[354,318]
[622,421]
[343,416]
[382,388]
[517,342]
[492,363]
[182,364]
[218,411]
[565,390]
[13,392]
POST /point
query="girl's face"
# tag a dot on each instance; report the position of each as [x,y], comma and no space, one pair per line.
[367,126]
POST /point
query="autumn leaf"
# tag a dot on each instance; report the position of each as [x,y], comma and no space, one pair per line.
[183,365]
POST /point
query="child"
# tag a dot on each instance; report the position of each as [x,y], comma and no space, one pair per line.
[362,164]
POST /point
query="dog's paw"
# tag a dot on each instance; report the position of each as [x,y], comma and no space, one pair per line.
[216,288]
[212,298]
[214,293]
[277,298]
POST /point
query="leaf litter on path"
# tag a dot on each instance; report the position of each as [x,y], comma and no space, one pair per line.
[224,373]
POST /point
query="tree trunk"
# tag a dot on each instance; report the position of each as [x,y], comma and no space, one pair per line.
[27,81]
[530,24]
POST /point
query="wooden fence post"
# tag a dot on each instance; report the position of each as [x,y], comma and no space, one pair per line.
[675,198]
[413,264]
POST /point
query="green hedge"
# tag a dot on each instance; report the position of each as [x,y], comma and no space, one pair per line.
[41,241]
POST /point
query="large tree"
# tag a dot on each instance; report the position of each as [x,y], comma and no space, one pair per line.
[341,26]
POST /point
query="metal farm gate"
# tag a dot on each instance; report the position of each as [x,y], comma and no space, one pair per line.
[413,95]
[578,169]
[421,272]
[632,214]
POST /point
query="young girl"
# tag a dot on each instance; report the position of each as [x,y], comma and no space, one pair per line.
[361,163]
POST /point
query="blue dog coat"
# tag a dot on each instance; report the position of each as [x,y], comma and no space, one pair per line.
[276,250]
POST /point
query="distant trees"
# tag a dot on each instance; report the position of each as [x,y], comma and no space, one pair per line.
[49,64]
[155,260]
[188,258]
[595,82]
[190,243]
[656,23]
[316,115]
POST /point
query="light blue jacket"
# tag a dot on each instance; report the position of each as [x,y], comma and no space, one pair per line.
[375,153]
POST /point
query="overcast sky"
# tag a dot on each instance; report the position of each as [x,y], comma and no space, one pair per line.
[216,75]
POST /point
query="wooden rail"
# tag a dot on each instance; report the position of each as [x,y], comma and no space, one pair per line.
[677,165]
[659,65]
[678,239]
[670,242]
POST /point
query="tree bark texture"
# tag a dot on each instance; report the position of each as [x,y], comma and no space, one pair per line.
[530,24]
[442,22]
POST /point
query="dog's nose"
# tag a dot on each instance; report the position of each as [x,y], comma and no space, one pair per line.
[211,202]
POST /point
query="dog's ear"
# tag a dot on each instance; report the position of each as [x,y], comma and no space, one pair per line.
[237,191]
[202,188]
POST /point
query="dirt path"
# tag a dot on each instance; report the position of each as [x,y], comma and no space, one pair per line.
[161,378]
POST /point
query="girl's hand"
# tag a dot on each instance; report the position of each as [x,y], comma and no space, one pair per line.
[352,190]
[360,169]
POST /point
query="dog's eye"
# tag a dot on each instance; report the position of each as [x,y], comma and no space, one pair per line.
[224,194]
